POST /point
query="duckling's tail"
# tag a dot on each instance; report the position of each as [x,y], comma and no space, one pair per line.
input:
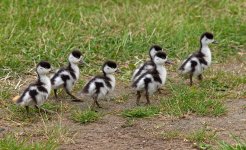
[181,70]
[16,98]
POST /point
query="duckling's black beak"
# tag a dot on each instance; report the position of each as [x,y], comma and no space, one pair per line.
[215,42]
[169,62]
[118,71]
[52,70]
[81,62]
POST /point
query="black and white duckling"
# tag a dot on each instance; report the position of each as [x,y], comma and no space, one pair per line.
[67,77]
[37,93]
[152,80]
[148,65]
[100,86]
[200,60]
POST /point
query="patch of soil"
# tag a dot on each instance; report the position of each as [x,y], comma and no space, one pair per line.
[109,134]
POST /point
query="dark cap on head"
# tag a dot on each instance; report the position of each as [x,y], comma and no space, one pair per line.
[162,55]
[208,35]
[110,63]
[44,64]
[76,53]
[156,47]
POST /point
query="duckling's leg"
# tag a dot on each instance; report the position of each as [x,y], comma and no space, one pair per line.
[55,92]
[75,99]
[200,77]
[27,109]
[95,102]
[138,97]
[191,82]
[147,97]
[44,110]
[68,89]
[159,90]
[98,104]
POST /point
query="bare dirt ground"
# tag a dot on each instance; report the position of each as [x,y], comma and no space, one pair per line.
[114,132]
[111,133]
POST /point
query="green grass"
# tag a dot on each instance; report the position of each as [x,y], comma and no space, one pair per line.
[18,113]
[240,144]
[141,112]
[223,82]
[33,31]
[85,117]
[45,137]
[55,106]
[11,143]
[202,138]
[185,99]
[201,135]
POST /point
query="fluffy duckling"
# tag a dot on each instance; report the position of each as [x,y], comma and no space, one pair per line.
[99,86]
[67,77]
[36,94]
[152,80]
[200,60]
[148,65]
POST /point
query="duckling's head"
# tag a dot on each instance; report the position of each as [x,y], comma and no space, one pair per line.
[76,57]
[153,50]
[160,58]
[43,68]
[207,38]
[109,67]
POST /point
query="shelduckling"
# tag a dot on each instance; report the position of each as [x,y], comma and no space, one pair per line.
[200,60]
[36,94]
[67,77]
[100,86]
[152,80]
[148,65]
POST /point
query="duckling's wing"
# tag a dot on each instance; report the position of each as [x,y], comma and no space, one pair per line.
[88,86]
[147,66]
[138,80]
[200,57]
[57,80]
[136,71]
[186,65]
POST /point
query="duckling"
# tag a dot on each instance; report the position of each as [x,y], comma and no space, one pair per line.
[152,80]
[148,65]
[36,94]
[100,86]
[66,77]
[200,60]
